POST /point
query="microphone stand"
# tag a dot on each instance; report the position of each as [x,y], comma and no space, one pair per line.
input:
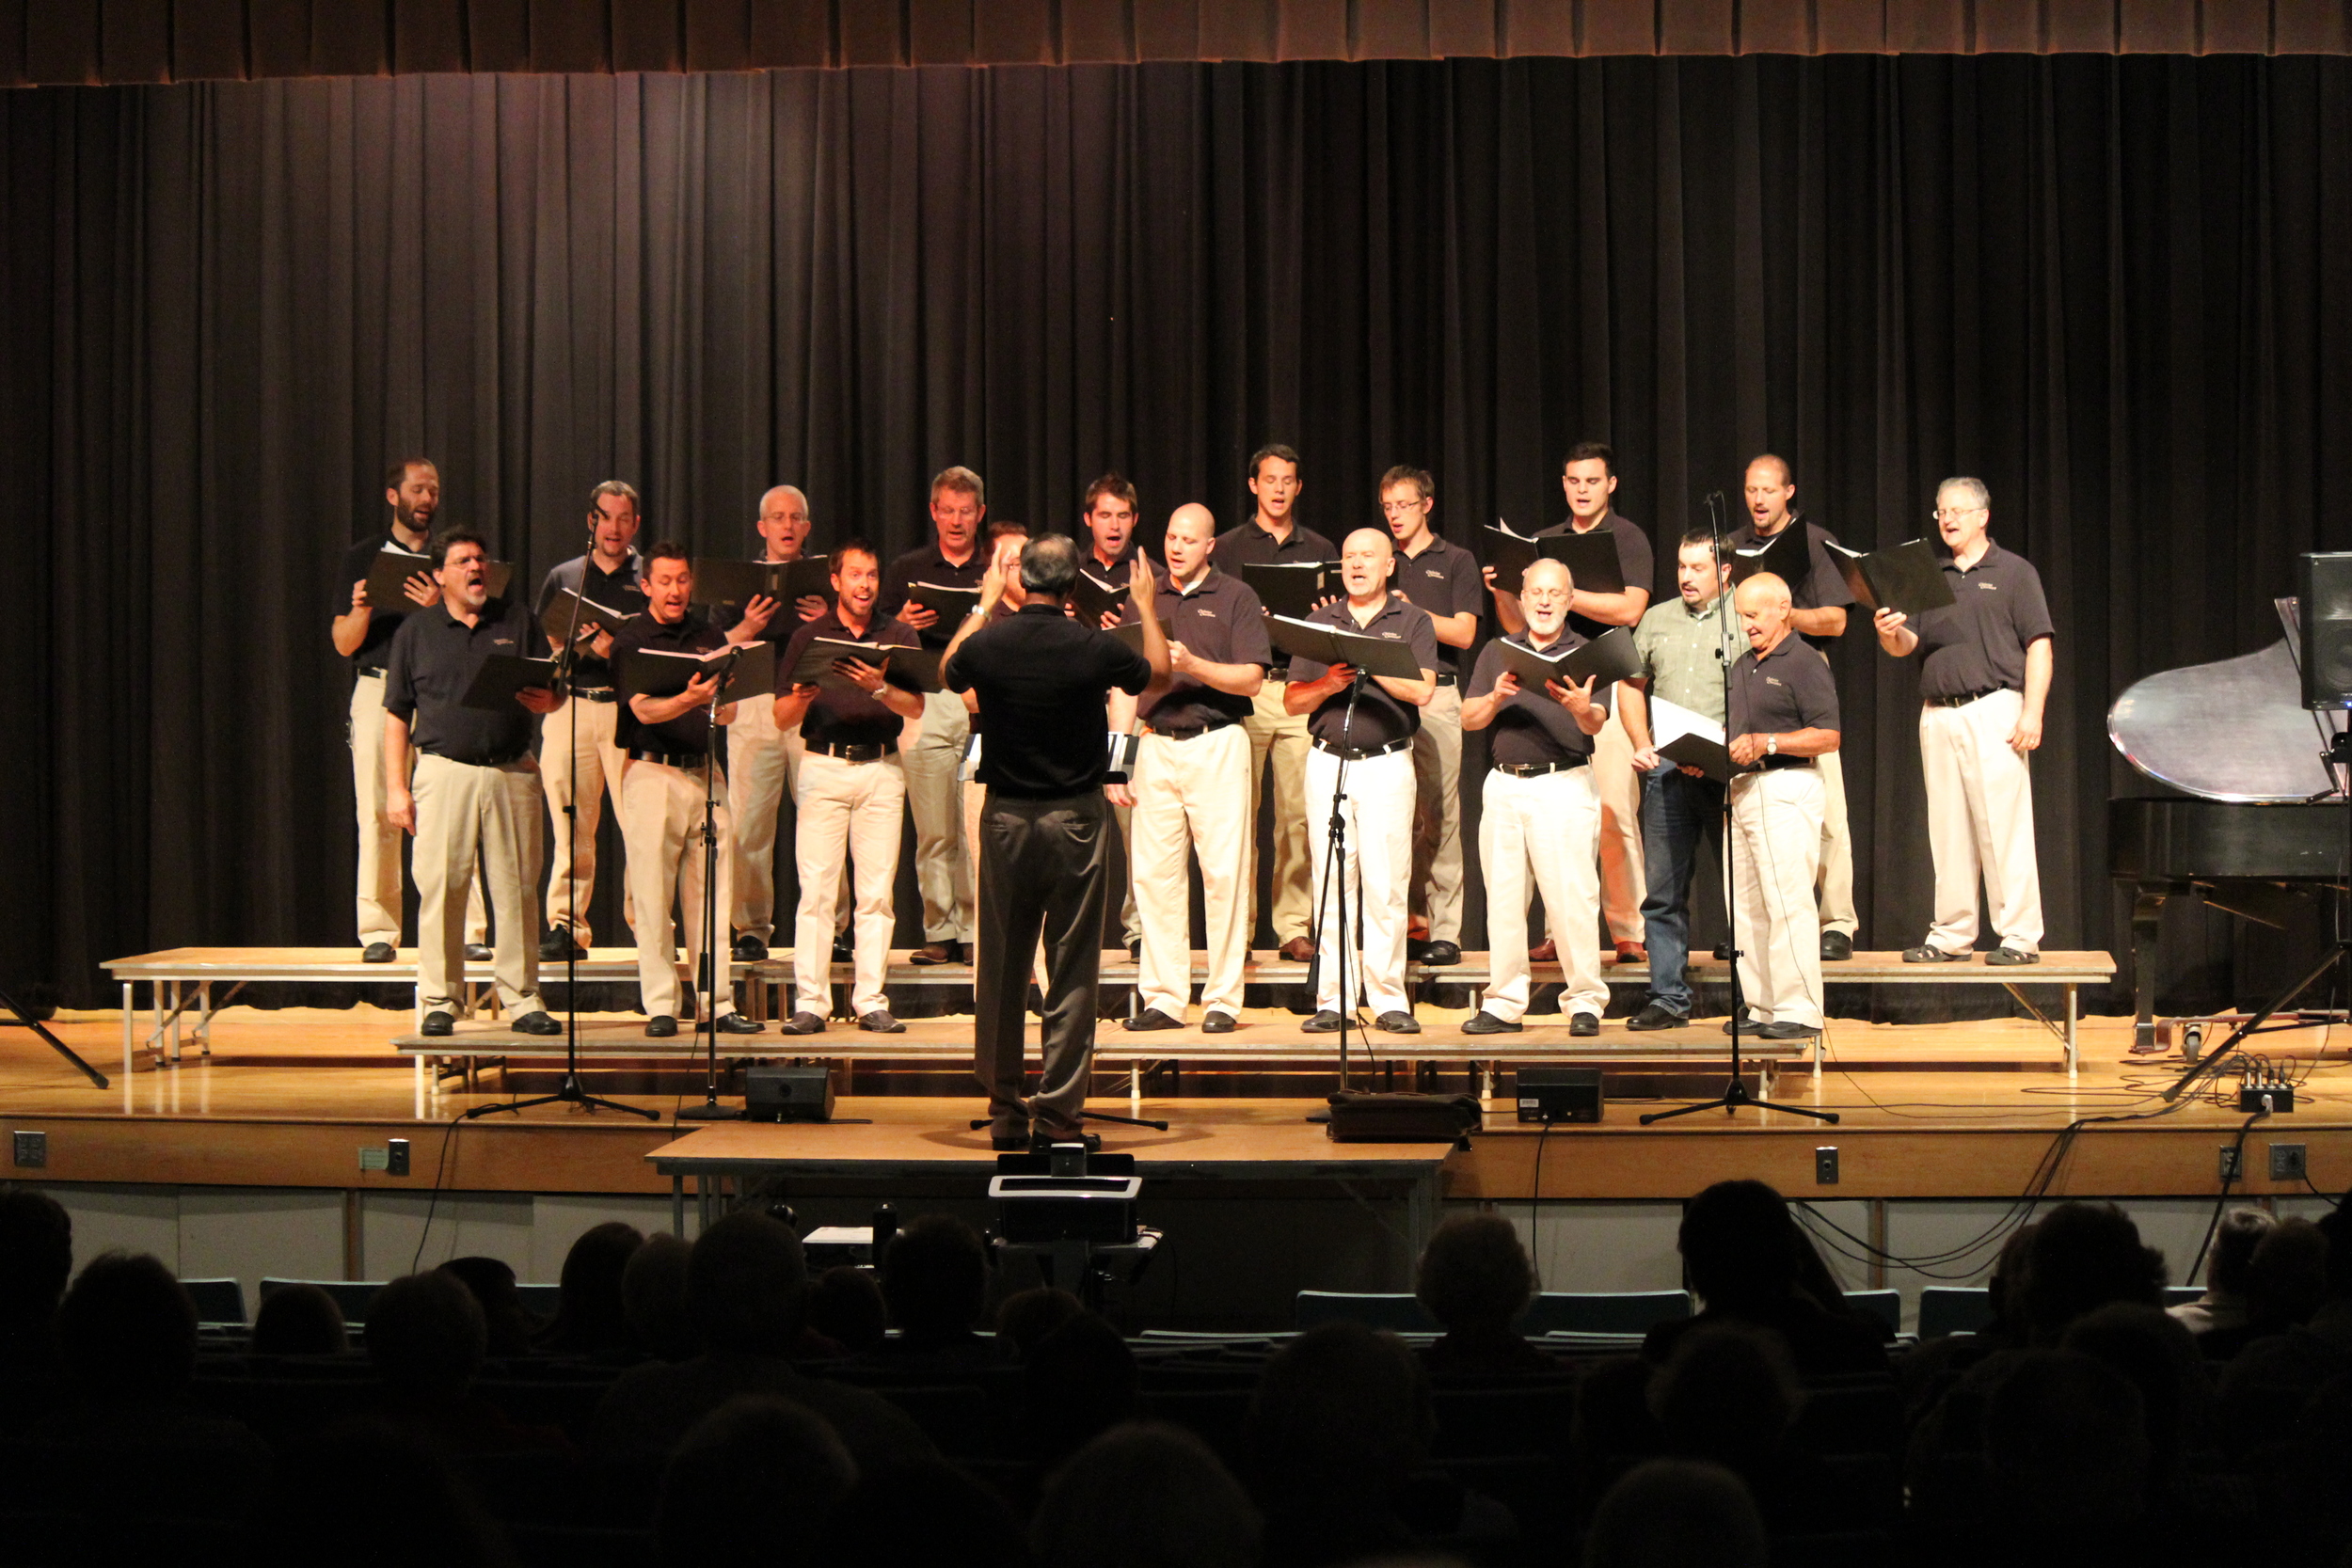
[1735,1096]
[1335,879]
[706,965]
[570,1090]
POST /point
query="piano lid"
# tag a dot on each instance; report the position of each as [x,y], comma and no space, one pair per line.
[2233,730]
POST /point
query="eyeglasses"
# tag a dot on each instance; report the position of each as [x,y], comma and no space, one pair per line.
[1942,511]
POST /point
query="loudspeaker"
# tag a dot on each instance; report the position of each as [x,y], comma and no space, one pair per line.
[1558,1094]
[1361,1118]
[2324,583]
[788,1093]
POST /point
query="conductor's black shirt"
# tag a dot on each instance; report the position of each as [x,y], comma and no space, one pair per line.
[1041,679]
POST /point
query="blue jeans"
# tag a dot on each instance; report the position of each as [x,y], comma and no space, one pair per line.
[1678,815]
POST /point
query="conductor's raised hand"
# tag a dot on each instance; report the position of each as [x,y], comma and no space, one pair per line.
[538,699]
[1143,585]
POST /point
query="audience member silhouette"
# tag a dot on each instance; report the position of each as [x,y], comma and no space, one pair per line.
[36,1261]
[2065,1442]
[1741,1252]
[426,1339]
[1145,1496]
[370,1494]
[747,1289]
[845,1306]
[299,1319]
[510,1327]
[590,1317]
[1476,1280]
[2222,1308]
[2082,1256]
[653,1299]
[1027,1315]
[934,1279]
[755,1480]
[923,1514]
[1079,1381]
[1677,1514]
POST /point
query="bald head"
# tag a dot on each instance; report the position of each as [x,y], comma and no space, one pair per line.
[1547,588]
[783,521]
[1191,529]
[1763,603]
[1768,489]
[1366,557]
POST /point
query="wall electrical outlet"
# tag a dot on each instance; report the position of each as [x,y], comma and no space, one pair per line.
[1825,1166]
[2232,1162]
[32,1150]
[2286,1162]
[375,1159]
[396,1157]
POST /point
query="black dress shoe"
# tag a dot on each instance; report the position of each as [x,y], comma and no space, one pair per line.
[1723,952]
[2009,958]
[844,949]
[536,1023]
[1656,1016]
[1584,1025]
[750,949]
[1134,950]
[1836,946]
[378,953]
[1044,1138]
[661,1026]
[803,1023]
[438,1026]
[878,1021]
[736,1023]
[1928,953]
[1152,1018]
[1217,1021]
[480,953]
[1397,1024]
[1748,1025]
[1443,954]
[1324,1023]
[1779,1030]
[937,953]
[1009,1139]
[558,944]
[1484,1022]
[1298,950]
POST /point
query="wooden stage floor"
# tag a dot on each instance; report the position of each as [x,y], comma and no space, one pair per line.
[1954,1110]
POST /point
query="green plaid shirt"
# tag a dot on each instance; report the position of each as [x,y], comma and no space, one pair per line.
[1678,648]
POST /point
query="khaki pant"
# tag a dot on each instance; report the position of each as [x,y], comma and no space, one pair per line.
[467,814]
[379,841]
[1284,737]
[1379,818]
[1548,826]
[1130,924]
[1834,887]
[942,863]
[1190,794]
[1618,785]
[662,817]
[578,768]
[1980,823]
[763,772]
[1437,893]
[1775,851]
[846,814]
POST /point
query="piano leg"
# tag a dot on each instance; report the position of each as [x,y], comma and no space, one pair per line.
[2147,925]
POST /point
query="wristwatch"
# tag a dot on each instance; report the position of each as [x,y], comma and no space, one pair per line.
[1771,745]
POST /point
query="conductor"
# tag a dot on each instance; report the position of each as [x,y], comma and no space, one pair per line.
[1040,679]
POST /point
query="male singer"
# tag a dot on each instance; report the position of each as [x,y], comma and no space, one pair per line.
[475,792]
[1588,478]
[1983,682]
[1371,729]
[1191,785]
[1042,680]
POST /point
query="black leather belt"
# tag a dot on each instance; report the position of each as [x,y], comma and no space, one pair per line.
[1537,769]
[1446,677]
[1774,762]
[668,759]
[1963,700]
[857,752]
[1346,754]
[375,670]
[1191,735]
[596,693]
[507,760]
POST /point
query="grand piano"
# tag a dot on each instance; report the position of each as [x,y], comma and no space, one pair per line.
[2252,828]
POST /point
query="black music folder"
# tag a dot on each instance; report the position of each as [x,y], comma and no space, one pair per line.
[1691,740]
[1292,588]
[1374,655]
[738,582]
[1591,558]
[1131,633]
[593,617]
[1908,576]
[913,670]
[389,571]
[750,669]
[1094,598]
[1787,555]
[1605,660]
[951,603]
[502,676]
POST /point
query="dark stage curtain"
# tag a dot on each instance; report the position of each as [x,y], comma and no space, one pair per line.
[2117,289]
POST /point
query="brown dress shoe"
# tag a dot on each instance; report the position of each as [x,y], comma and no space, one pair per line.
[1544,952]
[1631,953]
[937,953]
[1298,950]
